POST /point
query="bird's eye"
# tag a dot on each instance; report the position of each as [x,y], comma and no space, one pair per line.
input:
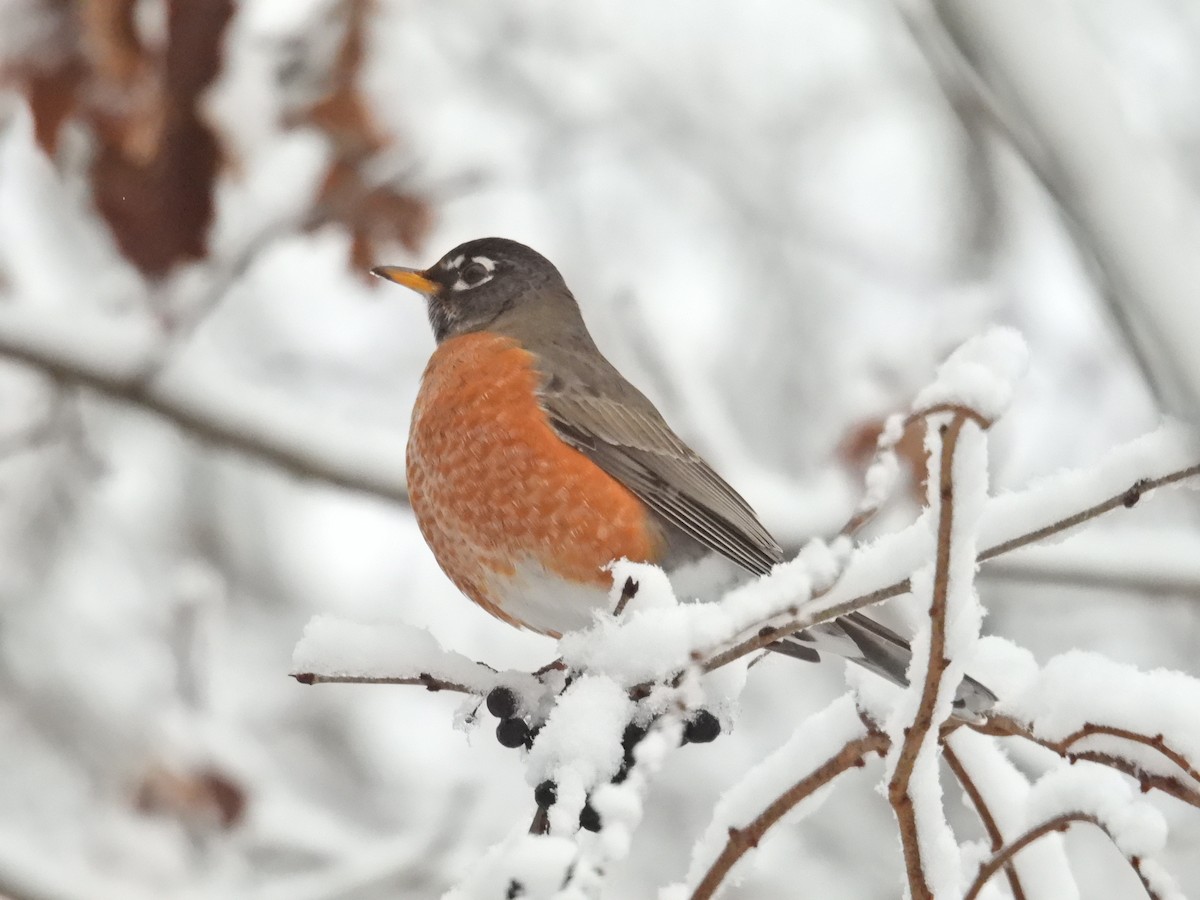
[474,273]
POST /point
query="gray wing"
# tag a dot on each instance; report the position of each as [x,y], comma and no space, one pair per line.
[616,427]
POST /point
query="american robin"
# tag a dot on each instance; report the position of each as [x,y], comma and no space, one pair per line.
[532,463]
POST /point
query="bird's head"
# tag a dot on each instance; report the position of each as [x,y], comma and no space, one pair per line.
[480,282]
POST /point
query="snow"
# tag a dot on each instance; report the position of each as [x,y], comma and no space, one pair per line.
[336,647]
[537,865]
[980,374]
[126,361]
[1160,559]
[622,806]
[1042,867]
[95,344]
[1135,826]
[580,745]
[1127,201]
[1169,448]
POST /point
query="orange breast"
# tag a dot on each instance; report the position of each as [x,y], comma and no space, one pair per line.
[495,489]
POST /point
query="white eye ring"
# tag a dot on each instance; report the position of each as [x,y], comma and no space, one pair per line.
[473,267]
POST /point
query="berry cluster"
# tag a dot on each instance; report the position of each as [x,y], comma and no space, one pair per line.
[513,731]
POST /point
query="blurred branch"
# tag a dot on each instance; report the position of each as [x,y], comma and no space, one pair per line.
[206,404]
[1058,823]
[1120,203]
[1162,562]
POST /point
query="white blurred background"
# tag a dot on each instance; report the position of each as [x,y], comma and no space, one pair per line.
[777,217]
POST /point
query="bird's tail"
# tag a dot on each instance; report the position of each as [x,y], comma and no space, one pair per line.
[864,641]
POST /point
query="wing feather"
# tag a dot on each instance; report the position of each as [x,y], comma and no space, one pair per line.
[633,443]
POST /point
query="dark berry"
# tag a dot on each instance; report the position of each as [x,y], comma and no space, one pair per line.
[502,703]
[515,890]
[512,732]
[545,794]
[589,819]
[702,728]
[633,734]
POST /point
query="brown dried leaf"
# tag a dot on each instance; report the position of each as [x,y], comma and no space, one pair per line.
[373,213]
[204,796]
[154,174]
[52,100]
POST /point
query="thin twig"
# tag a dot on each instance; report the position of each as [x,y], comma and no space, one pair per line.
[1058,823]
[1157,742]
[971,789]
[426,681]
[541,821]
[742,840]
[1127,498]
[628,592]
[923,721]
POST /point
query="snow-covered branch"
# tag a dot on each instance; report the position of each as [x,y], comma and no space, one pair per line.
[1093,795]
[1139,723]
[126,365]
[1049,508]
[771,791]
[913,788]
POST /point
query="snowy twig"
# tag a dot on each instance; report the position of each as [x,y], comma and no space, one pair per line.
[915,735]
[1005,726]
[424,680]
[985,815]
[333,651]
[852,755]
[1157,742]
[1126,498]
[1003,856]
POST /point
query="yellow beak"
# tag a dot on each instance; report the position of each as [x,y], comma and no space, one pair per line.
[409,278]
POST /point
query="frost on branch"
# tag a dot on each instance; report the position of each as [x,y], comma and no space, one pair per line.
[595,726]
[979,373]
[333,650]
